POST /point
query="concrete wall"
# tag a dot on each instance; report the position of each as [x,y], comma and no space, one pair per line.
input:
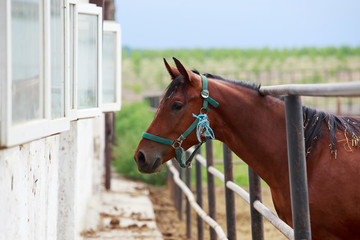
[46,185]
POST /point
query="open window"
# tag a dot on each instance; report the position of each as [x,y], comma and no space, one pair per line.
[84,63]
[111,86]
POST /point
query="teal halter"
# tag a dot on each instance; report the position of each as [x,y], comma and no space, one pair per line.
[201,119]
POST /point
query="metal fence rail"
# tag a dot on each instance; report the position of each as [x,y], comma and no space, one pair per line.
[346,89]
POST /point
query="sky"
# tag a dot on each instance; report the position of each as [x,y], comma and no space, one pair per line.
[163,24]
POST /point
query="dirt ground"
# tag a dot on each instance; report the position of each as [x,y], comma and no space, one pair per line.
[172,228]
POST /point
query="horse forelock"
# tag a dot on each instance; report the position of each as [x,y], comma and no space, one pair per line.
[173,87]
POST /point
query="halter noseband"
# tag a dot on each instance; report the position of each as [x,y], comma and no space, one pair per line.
[201,124]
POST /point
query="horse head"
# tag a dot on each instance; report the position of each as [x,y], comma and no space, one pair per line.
[173,129]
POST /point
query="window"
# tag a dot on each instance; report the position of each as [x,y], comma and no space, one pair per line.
[50,67]
[111,94]
[85,41]
[33,102]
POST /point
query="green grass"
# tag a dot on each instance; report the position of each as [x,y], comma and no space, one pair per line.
[145,68]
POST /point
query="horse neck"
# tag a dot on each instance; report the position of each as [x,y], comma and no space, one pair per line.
[253,127]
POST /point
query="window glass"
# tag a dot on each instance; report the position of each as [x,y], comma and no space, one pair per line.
[87,61]
[109,67]
[57,61]
[25,49]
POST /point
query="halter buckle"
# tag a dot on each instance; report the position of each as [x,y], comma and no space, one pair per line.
[205,93]
[177,143]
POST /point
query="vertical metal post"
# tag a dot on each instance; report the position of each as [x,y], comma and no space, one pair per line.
[297,168]
[229,194]
[109,10]
[99,3]
[257,221]
[188,207]
[180,207]
[169,180]
[211,187]
[198,176]
[170,183]
[176,188]
[109,139]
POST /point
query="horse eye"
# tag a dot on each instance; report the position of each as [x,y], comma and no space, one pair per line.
[176,106]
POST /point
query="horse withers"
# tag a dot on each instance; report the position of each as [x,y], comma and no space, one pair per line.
[253,127]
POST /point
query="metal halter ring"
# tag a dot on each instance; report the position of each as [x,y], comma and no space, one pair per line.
[204,110]
[205,93]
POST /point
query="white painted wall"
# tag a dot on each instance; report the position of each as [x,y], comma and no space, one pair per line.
[47,184]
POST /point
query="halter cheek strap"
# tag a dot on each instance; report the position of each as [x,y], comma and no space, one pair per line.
[206,96]
[200,122]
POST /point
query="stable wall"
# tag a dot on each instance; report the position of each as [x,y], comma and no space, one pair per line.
[46,184]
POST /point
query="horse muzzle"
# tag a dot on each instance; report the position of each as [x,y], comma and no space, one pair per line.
[147,164]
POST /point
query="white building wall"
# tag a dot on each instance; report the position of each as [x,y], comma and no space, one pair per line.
[47,184]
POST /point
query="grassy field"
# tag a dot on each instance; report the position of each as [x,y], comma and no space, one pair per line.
[144,75]
[143,70]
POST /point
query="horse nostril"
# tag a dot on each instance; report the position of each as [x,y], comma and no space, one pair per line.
[157,163]
[141,158]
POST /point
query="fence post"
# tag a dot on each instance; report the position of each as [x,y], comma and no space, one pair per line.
[198,176]
[229,194]
[109,140]
[188,207]
[257,221]
[211,187]
[170,183]
[297,168]
[176,187]
[180,207]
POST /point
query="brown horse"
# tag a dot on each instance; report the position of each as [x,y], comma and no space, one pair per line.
[253,127]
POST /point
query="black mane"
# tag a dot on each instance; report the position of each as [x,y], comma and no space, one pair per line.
[313,119]
[249,85]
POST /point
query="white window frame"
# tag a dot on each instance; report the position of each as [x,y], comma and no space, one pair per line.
[72,90]
[91,9]
[112,26]
[11,135]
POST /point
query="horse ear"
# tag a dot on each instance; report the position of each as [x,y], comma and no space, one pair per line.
[187,74]
[171,70]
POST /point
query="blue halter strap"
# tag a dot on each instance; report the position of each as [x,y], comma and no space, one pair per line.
[201,123]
